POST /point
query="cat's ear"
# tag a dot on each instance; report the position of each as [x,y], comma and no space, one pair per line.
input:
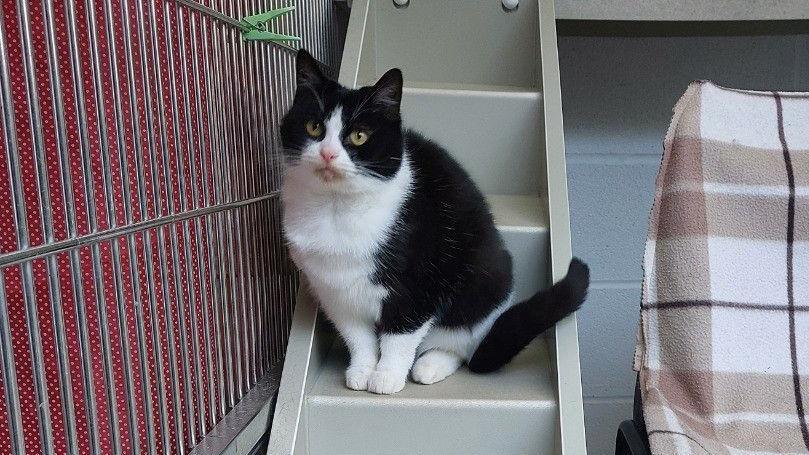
[388,92]
[307,71]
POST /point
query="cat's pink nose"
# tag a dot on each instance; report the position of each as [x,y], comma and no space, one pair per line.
[328,154]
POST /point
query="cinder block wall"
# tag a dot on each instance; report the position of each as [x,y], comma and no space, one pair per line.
[617,94]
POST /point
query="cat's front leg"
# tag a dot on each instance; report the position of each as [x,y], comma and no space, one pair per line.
[397,353]
[362,343]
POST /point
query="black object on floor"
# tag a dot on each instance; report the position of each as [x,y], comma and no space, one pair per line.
[632,438]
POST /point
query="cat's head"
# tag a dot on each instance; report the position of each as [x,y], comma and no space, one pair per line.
[340,138]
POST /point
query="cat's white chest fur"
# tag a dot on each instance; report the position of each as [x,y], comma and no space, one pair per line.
[333,238]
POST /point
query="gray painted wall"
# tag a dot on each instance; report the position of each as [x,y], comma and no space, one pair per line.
[617,95]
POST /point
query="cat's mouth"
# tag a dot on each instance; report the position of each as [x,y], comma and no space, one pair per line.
[328,174]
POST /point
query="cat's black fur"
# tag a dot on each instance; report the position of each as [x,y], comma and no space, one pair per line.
[445,257]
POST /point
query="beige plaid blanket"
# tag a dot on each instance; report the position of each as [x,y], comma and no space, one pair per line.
[723,346]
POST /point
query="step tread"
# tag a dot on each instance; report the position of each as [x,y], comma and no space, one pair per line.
[518,212]
[524,382]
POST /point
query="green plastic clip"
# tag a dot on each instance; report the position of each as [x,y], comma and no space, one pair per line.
[255,27]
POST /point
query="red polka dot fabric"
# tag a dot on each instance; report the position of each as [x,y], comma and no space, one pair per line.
[144,286]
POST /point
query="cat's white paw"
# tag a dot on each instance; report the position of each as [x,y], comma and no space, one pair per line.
[434,366]
[386,382]
[357,376]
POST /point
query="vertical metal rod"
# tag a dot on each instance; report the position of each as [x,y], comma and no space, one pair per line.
[32,315]
[143,358]
[161,381]
[146,76]
[167,184]
[126,352]
[237,274]
[284,90]
[281,95]
[226,271]
[223,131]
[227,370]
[266,277]
[195,347]
[142,212]
[75,267]
[275,309]
[284,286]
[207,200]
[289,91]
[248,305]
[110,208]
[300,27]
[250,54]
[234,215]
[175,259]
[34,337]
[66,384]
[10,139]
[118,278]
[218,379]
[167,299]
[334,38]
[260,280]
[255,70]
[268,162]
[323,29]
[183,330]
[260,159]
[232,194]
[9,374]
[214,111]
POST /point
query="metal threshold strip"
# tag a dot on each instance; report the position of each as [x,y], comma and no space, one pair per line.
[208,11]
[251,414]
[18,257]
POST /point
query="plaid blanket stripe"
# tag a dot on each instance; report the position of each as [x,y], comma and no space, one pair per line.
[723,345]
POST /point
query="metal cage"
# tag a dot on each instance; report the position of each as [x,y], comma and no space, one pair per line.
[144,285]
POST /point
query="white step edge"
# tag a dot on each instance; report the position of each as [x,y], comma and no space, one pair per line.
[302,357]
[572,440]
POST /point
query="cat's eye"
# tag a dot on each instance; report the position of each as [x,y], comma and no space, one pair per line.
[314,129]
[358,137]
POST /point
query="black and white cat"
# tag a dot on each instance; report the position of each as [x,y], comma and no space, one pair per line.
[397,242]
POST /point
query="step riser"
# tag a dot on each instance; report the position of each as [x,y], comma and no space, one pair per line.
[440,430]
[459,41]
[493,135]
[529,253]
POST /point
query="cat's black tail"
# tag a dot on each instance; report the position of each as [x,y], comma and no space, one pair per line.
[520,324]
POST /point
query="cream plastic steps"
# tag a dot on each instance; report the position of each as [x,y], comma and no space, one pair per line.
[484,83]
[506,411]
